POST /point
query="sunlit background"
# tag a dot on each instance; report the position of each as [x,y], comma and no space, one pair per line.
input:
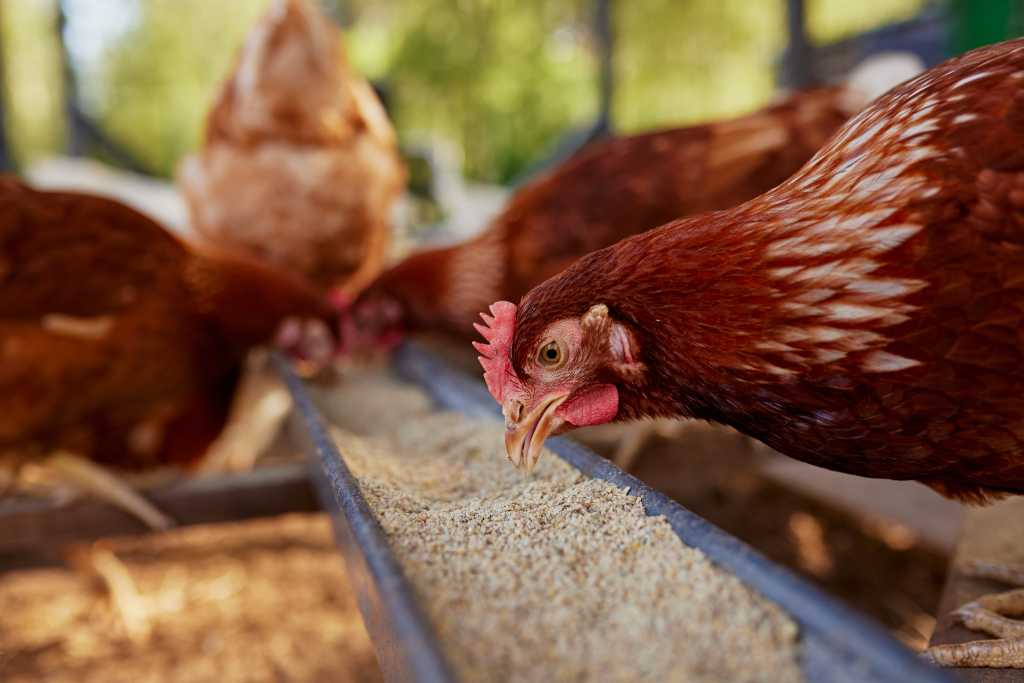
[493,86]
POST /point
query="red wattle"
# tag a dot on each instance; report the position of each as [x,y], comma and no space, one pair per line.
[593,406]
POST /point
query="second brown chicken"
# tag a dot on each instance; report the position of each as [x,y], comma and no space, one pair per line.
[608,191]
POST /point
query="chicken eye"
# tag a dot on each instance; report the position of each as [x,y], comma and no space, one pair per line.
[550,355]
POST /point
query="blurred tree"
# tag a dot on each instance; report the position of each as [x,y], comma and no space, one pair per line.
[681,62]
[31,63]
[832,20]
[158,78]
[501,80]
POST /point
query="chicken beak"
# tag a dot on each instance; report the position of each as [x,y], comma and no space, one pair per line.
[309,343]
[525,436]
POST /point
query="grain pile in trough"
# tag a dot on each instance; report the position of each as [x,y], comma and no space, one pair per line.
[549,576]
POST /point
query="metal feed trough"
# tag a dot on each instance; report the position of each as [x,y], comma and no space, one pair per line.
[34,532]
[836,645]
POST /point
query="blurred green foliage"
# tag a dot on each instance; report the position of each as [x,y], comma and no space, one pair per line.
[681,62]
[981,22]
[832,20]
[32,83]
[158,78]
[499,79]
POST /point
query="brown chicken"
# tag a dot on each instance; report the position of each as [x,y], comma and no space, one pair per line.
[119,345]
[610,190]
[299,165]
[866,316]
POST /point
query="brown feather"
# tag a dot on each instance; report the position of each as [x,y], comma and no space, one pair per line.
[866,315]
[117,341]
[299,165]
[571,211]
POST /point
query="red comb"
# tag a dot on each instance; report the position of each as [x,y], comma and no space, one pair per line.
[495,357]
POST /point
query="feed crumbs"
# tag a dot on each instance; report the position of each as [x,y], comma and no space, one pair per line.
[550,576]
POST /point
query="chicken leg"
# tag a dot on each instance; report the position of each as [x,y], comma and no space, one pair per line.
[992,614]
[628,441]
[258,410]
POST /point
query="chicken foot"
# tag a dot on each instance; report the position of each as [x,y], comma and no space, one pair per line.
[96,480]
[992,614]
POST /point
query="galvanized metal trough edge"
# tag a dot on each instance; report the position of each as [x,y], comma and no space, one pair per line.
[830,630]
[407,649]
[35,532]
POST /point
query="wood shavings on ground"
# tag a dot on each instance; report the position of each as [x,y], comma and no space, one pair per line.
[549,576]
[246,602]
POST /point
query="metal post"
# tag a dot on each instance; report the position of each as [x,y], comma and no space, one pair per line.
[576,139]
[75,141]
[797,67]
[6,155]
[339,11]
[604,37]
[84,133]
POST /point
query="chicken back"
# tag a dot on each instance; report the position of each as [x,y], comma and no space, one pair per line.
[299,165]
[117,341]
[610,190]
[865,316]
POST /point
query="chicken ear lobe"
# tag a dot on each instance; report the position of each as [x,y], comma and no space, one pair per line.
[601,331]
